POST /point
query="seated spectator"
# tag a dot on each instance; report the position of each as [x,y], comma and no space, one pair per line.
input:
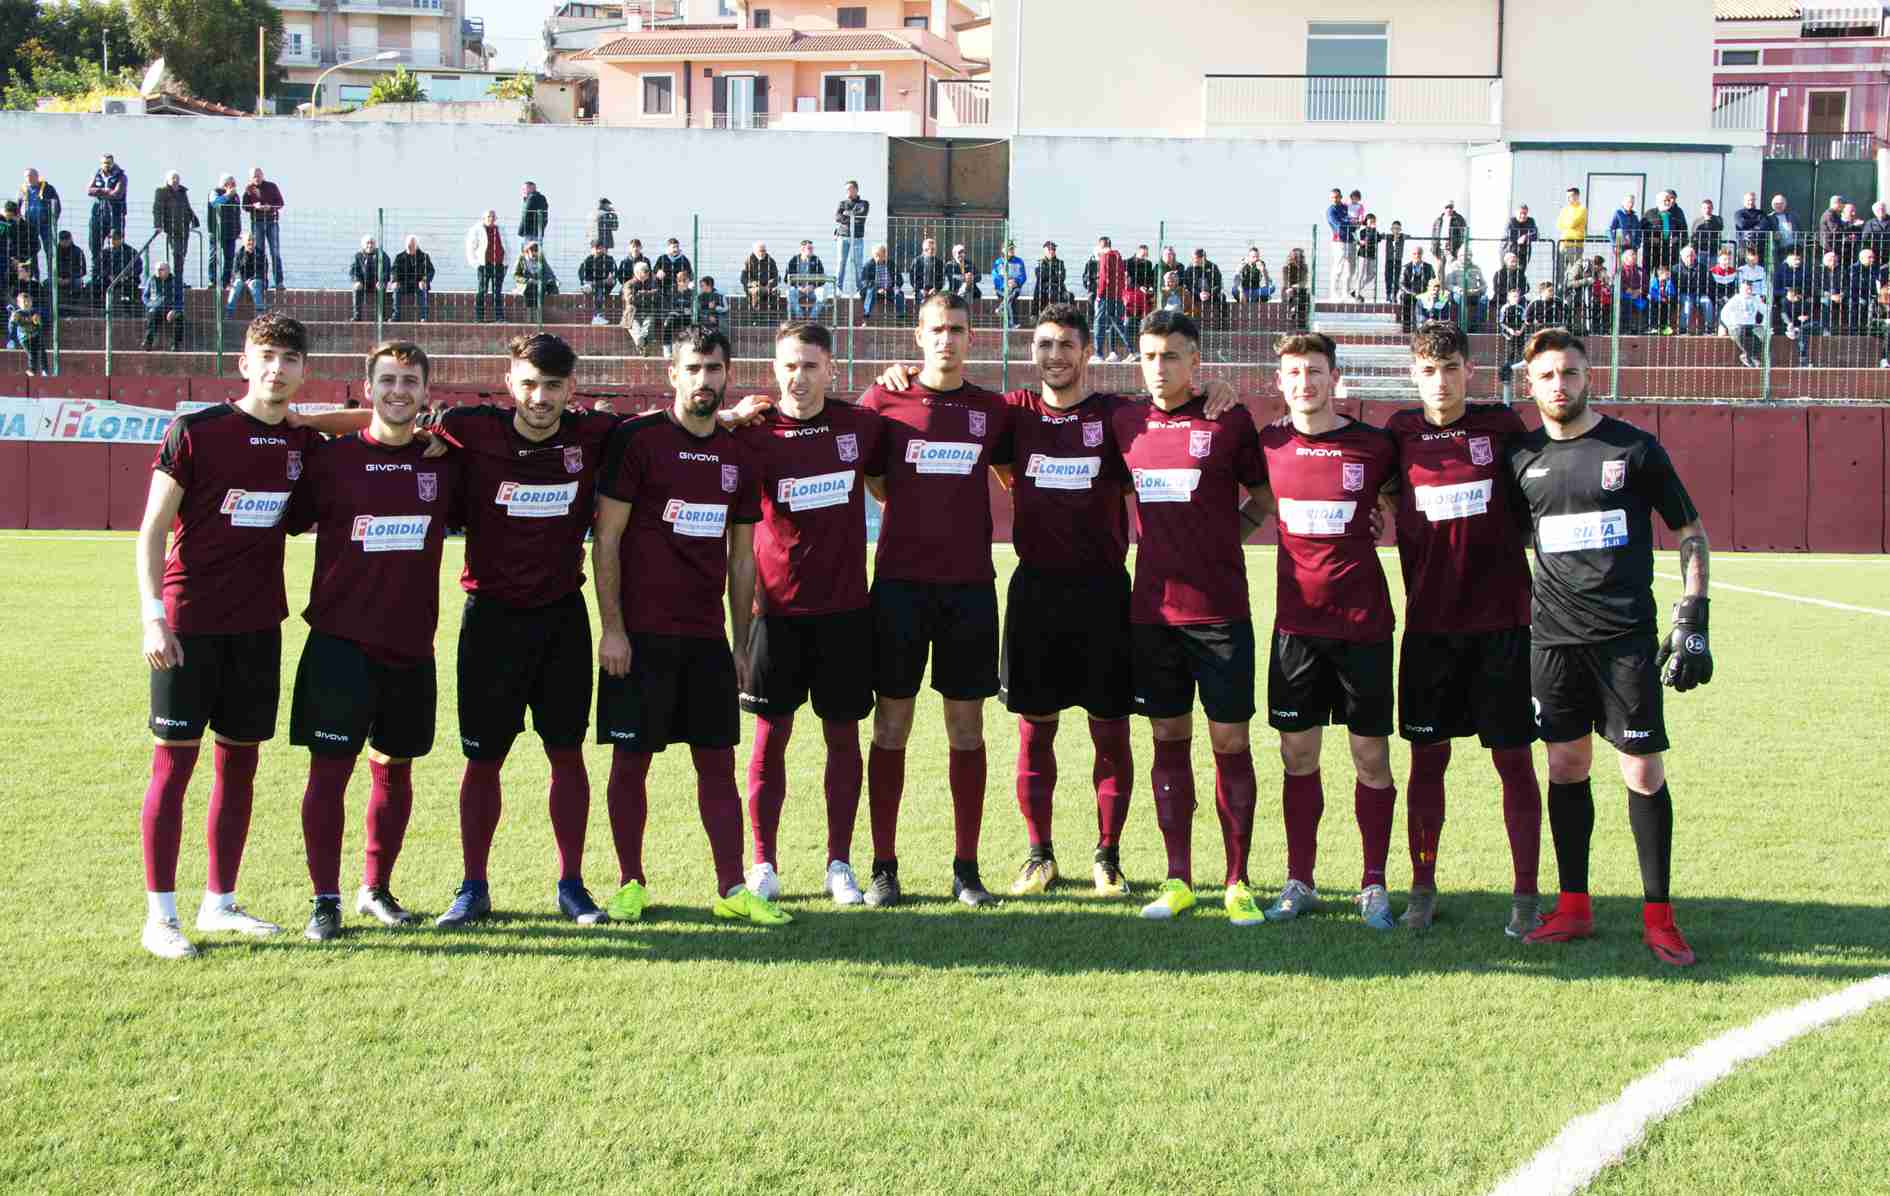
[25,280]
[120,268]
[1205,285]
[370,272]
[248,272]
[806,275]
[710,305]
[163,306]
[1793,275]
[1394,249]
[1661,301]
[1724,276]
[1296,288]
[533,278]
[19,241]
[627,264]
[672,264]
[1881,311]
[761,280]
[1633,298]
[1434,302]
[1254,283]
[1509,277]
[962,275]
[1798,318]
[1865,278]
[69,266]
[1413,282]
[1742,316]
[1463,279]
[1546,310]
[1007,281]
[680,296]
[1695,292]
[1831,287]
[413,280]
[1052,278]
[927,272]
[1753,271]
[881,284]
[1577,289]
[1512,323]
[642,306]
[597,277]
[25,330]
[1173,298]
[1142,277]
[1600,295]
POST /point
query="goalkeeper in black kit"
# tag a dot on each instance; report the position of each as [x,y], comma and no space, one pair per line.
[1591,485]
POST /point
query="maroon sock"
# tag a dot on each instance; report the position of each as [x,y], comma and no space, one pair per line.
[479,807]
[1424,809]
[1304,802]
[1522,813]
[232,795]
[720,805]
[570,802]
[1114,774]
[1234,790]
[966,773]
[390,808]
[1171,781]
[162,819]
[1036,777]
[844,775]
[628,800]
[323,815]
[1376,810]
[767,783]
[885,785]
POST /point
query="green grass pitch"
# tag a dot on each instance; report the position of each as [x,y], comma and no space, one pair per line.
[1058,1044]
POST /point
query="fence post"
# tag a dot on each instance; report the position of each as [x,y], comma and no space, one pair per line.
[1614,335]
[52,270]
[380,247]
[1004,353]
[1312,280]
[1772,300]
[695,257]
[111,301]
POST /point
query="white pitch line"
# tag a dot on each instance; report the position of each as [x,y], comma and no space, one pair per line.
[1824,602]
[1598,1140]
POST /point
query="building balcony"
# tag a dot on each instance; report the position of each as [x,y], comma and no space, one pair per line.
[1352,107]
[405,56]
[422,7]
[964,105]
[1740,108]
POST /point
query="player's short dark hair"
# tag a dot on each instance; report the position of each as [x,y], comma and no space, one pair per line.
[273,328]
[1552,340]
[807,332]
[1306,344]
[1066,315]
[405,352]
[547,353]
[1172,323]
[949,300]
[703,340]
[1439,340]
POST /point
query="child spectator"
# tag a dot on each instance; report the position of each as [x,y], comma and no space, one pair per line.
[1366,240]
[1799,319]
[24,332]
[1513,322]
[1662,301]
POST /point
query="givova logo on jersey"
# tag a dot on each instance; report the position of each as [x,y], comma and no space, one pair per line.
[391,533]
[943,456]
[255,508]
[526,500]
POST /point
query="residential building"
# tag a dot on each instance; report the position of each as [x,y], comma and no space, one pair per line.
[432,38]
[1815,76]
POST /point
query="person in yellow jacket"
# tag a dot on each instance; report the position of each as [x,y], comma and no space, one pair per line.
[1571,227]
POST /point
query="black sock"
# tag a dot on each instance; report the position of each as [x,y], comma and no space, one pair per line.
[1651,816]
[1571,825]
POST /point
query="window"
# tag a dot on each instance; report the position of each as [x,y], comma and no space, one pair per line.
[1827,112]
[659,95]
[761,18]
[1345,65]
[354,93]
[918,23]
[1739,58]
[294,44]
[850,93]
[851,18]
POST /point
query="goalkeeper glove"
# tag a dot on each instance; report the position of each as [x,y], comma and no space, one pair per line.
[1685,660]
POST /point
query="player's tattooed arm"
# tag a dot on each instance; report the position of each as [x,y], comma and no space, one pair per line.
[613,645]
[1695,559]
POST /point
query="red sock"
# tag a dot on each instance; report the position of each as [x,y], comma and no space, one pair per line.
[323,815]
[570,802]
[1036,777]
[390,808]
[767,783]
[232,795]
[1376,810]
[1424,810]
[1171,781]
[1577,904]
[885,785]
[720,804]
[479,807]
[161,823]
[1304,801]
[1234,789]
[1657,915]
[966,773]
[1114,775]
[1522,813]
[844,774]
[628,800]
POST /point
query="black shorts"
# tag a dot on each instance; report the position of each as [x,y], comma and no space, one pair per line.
[680,689]
[956,623]
[229,683]
[1312,681]
[346,700]
[1066,643]
[511,658]
[828,656]
[1170,662]
[1611,687]
[1452,686]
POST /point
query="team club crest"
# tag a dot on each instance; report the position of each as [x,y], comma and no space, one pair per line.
[573,458]
[1613,475]
[295,464]
[1200,444]
[1092,434]
[849,445]
[730,476]
[1352,475]
[429,486]
[1480,451]
[977,422]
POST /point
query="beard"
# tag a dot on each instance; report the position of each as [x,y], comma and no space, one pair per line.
[703,402]
[1572,408]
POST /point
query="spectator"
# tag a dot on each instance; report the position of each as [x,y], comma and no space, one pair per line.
[1509,277]
[1143,277]
[680,297]
[1296,289]
[604,225]
[1512,326]
[1881,312]
[597,277]
[533,279]
[1694,291]
[1876,231]
[1354,221]
[1834,229]
[69,272]
[1793,275]
[806,274]
[642,305]
[1463,281]
[1168,261]
[1448,233]
[927,271]
[1725,276]
[1546,310]
[226,228]
[1751,271]
[1205,285]
[17,238]
[1577,287]
[25,279]
[849,228]
[1366,239]
[1173,297]
[1748,223]
[1435,303]
[1571,230]
[110,191]
[413,281]
[710,305]
[1625,230]
[1254,283]
[262,199]
[1052,278]
[1743,316]
[880,283]
[164,306]
[1782,225]
[1007,280]
[1865,277]
[24,328]
[1707,228]
[248,272]
[1667,232]
[534,215]
[1660,301]
[40,208]
[369,273]
[1633,299]
[1394,250]
[672,264]
[485,253]
[119,268]
[1831,285]
[1414,281]
[1107,280]
[627,264]
[174,216]
[761,280]
[1799,320]
[962,275]
[1520,236]
[1339,223]
[1600,295]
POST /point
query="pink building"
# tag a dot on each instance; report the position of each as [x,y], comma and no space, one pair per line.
[1815,76]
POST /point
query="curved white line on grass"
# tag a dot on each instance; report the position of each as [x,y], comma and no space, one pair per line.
[1600,1139]
[1824,602]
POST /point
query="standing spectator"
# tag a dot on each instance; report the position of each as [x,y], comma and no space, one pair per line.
[1520,236]
[40,208]
[1366,240]
[226,227]
[534,214]
[1448,233]
[1339,224]
[119,268]
[1052,278]
[1876,231]
[69,272]
[1799,320]
[1395,251]
[1296,285]
[1007,281]
[1626,230]
[24,328]
[1354,221]
[1743,316]
[1694,291]
[1109,286]
[1667,232]
[1852,235]
[849,229]
[1792,275]
[672,264]
[413,281]
[962,275]
[173,215]
[627,264]
[1748,223]
[1205,286]
[249,272]
[881,283]
[369,274]
[761,280]
[597,276]
[806,274]
[110,191]
[1660,301]
[262,199]
[1834,229]
[1415,280]
[1600,295]
[1782,225]
[604,225]
[533,279]
[164,305]
[1707,228]
[1577,278]
[1633,297]
[1254,283]
[1512,324]
[485,253]
[642,305]
[1571,230]
[1831,285]
[927,272]
[18,240]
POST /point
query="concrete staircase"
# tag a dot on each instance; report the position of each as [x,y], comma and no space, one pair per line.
[1378,366]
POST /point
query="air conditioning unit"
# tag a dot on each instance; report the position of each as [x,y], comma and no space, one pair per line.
[122,106]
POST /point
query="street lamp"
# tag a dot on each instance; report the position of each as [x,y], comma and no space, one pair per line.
[316,95]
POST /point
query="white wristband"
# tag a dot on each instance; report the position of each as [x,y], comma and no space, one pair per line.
[153,609]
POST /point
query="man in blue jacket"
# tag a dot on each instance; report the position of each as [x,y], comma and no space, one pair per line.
[1007,279]
[1626,230]
[1339,221]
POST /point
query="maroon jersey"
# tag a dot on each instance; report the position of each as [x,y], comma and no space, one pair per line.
[1331,584]
[683,490]
[1066,487]
[528,503]
[1458,541]
[1187,471]
[224,571]
[380,513]
[810,550]
[939,449]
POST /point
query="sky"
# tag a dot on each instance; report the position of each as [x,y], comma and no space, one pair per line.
[514,27]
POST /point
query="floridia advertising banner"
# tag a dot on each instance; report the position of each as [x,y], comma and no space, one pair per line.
[98,421]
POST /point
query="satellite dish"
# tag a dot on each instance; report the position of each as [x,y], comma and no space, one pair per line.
[154,78]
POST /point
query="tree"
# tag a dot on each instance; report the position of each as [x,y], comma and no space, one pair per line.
[512,87]
[401,87]
[209,45]
[80,29]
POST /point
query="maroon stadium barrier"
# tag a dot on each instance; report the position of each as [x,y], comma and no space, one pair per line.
[128,485]
[1770,458]
[1849,504]
[1699,439]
